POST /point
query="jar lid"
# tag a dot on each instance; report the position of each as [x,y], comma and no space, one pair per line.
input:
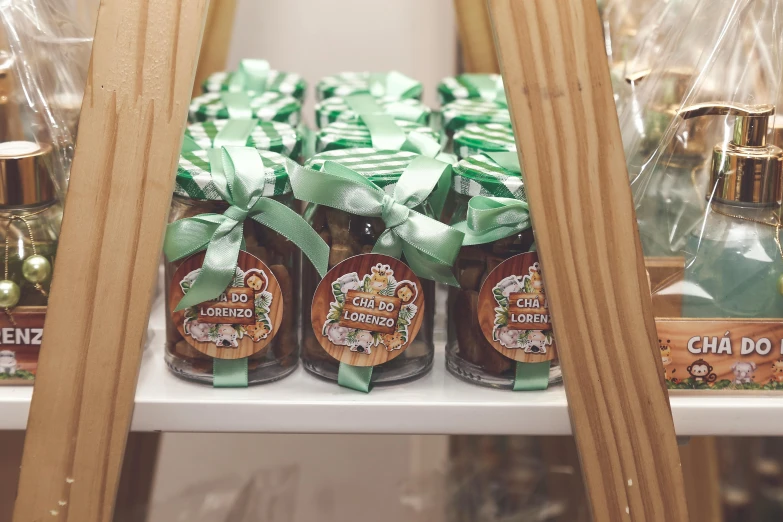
[194,175]
[25,176]
[460,113]
[484,137]
[382,167]
[464,87]
[392,84]
[351,135]
[479,175]
[276,81]
[337,109]
[268,106]
[263,135]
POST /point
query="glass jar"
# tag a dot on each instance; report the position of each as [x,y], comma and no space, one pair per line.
[281,356]
[348,235]
[469,356]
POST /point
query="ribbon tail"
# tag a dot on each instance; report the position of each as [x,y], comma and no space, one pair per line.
[229,373]
[219,266]
[354,377]
[531,376]
[290,225]
[388,244]
[427,267]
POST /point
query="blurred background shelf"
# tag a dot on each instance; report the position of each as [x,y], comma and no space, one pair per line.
[435,404]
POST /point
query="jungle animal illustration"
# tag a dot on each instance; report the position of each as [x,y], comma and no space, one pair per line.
[743,371]
[363,342]
[666,357]
[777,370]
[257,332]
[8,365]
[199,331]
[379,279]
[227,336]
[701,371]
[504,331]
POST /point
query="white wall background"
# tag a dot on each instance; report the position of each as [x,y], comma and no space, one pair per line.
[342,478]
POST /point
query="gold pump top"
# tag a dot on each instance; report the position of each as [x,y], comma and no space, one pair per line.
[745,170]
[25,177]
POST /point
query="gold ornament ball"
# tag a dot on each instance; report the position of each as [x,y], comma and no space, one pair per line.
[9,293]
[36,269]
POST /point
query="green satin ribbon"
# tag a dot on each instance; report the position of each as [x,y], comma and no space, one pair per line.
[235,133]
[392,84]
[229,373]
[507,160]
[237,104]
[531,376]
[354,377]
[251,76]
[493,218]
[489,89]
[189,144]
[430,247]
[237,174]
[386,134]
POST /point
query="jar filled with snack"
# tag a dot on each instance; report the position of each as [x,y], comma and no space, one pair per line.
[483,137]
[263,135]
[470,86]
[348,108]
[267,106]
[231,276]
[372,315]
[391,85]
[499,329]
[254,77]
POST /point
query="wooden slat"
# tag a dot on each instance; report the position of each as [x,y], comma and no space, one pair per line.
[216,41]
[557,82]
[475,35]
[701,472]
[133,114]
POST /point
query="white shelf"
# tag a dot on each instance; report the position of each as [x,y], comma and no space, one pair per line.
[435,404]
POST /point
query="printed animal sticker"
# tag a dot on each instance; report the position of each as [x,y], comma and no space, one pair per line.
[20,342]
[513,310]
[367,309]
[242,321]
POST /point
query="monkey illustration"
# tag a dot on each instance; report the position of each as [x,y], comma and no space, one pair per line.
[701,371]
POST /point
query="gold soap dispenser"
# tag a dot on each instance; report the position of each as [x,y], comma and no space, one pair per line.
[734,266]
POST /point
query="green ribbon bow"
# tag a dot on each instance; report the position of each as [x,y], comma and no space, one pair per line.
[430,247]
[251,76]
[490,89]
[236,174]
[386,134]
[392,84]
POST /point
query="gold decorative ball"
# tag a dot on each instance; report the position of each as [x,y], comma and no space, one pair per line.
[36,269]
[9,294]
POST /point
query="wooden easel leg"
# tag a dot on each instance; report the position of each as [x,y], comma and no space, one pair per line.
[475,35]
[137,478]
[700,470]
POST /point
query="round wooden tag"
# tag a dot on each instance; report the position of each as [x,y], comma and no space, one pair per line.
[367,309]
[239,323]
[513,312]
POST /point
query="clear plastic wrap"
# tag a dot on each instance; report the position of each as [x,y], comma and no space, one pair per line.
[705,170]
[47,50]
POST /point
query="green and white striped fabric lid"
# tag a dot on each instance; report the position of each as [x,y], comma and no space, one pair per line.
[464,87]
[479,175]
[263,135]
[382,167]
[353,135]
[484,137]
[269,106]
[337,109]
[194,177]
[277,81]
[460,113]
[392,84]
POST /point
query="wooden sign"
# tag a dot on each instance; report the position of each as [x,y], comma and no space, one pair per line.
[367,310]
[724,354]
[240,322]
[378,313]
[513,311]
